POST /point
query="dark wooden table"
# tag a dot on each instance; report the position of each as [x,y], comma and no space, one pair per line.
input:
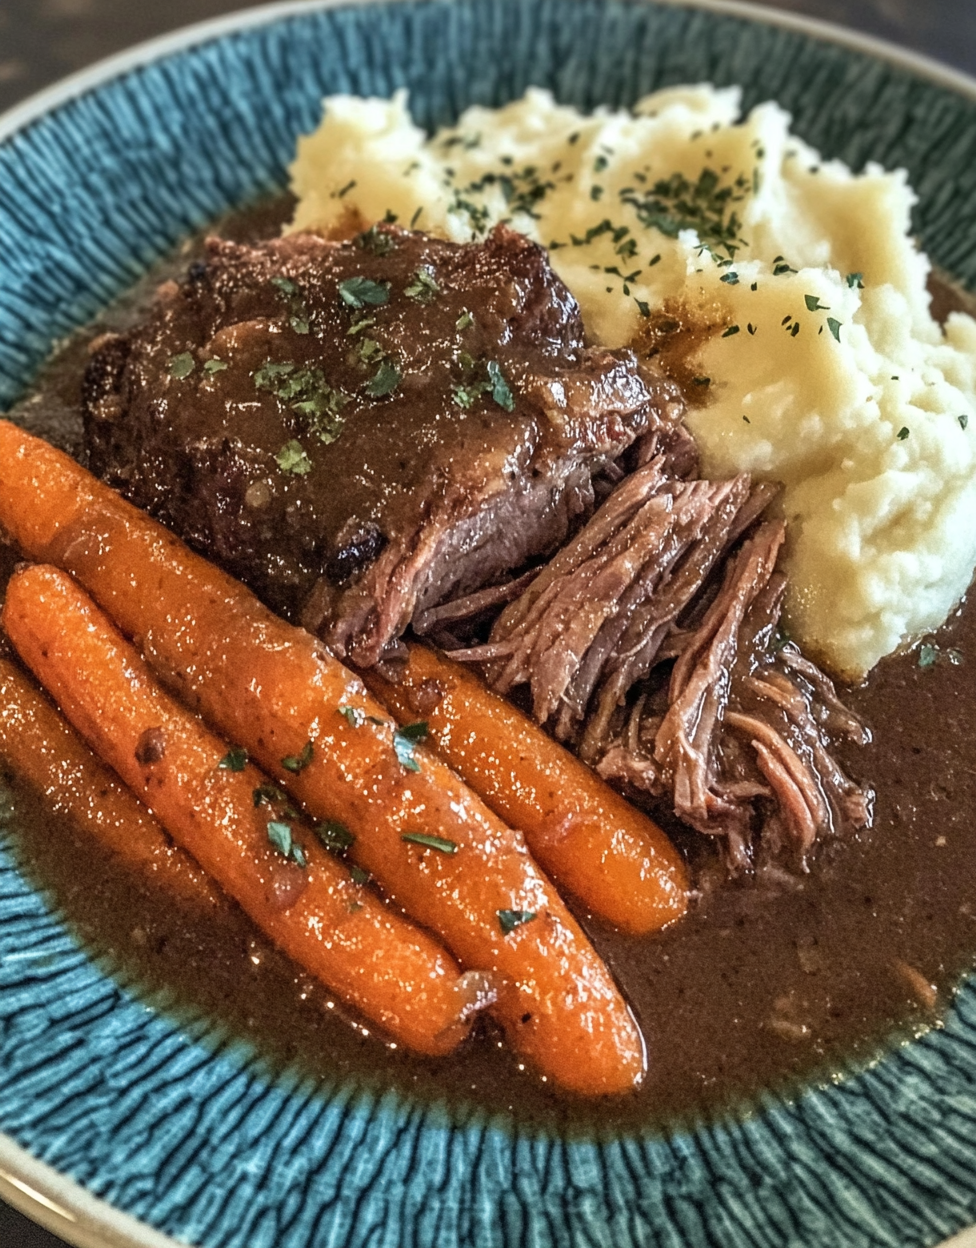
[42,40]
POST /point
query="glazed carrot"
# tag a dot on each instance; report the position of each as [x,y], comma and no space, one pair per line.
[304,899]
[42,749]
[586,836]
[272,688]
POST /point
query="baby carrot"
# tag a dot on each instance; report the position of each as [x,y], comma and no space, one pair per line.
[273,688]
[586,836]
[222,810]
[42,749]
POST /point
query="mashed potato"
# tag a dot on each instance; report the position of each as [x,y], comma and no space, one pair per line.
[824,368]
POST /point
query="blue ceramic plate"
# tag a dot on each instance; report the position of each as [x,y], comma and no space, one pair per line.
[184,1136]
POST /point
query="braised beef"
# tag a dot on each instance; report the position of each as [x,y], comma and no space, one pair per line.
[361,430]
[651,644]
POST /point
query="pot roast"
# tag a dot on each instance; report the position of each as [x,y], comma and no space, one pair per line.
[360,430]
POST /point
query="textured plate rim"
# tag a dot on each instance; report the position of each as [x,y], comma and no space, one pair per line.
[62,1206]
[39,1191]
[50,98]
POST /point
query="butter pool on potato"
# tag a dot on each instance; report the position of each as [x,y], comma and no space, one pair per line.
[826,370]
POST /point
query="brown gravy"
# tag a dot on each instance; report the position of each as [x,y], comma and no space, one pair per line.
[761,988]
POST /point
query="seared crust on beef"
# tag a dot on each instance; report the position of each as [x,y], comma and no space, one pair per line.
[359,453]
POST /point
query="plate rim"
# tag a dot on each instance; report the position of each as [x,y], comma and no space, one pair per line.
[34,1188]
[65,1207]
[52,97]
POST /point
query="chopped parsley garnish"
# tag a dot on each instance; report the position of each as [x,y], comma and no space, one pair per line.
[404,740]
[596,192]
[298,762]
[182,365]
[293,460]
[335,836]
[370,349]
[465,320]
[424,286]
[234,760]
[214,365]
[814,305]
[795,330]
[376,241]
[605,226]
[359,876]
[834,327]
[701,381]
[358,292]
[509,920]
[927,655]
[266,377]
[431,842]
[903,433]
[500,390]
[855,279]
[467,393]
[600,164]
[706,206]
[478,215]
[416,216]
[345,189]
[466,396]
[963,421]
[297,311]
[731,278]
[781,268]
[384,381]
[643,307]
[357,327]
[521,189]
[306,392]
[280,836]
[732,329]
[751,328]
[355,717]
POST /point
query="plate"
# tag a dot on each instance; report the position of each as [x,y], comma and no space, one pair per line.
[133,1129]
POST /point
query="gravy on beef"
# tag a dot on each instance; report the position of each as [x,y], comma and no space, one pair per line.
[359,430]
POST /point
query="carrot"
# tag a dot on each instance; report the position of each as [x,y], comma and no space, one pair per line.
[42,749]
[586,836]
[272,688]
[221,810]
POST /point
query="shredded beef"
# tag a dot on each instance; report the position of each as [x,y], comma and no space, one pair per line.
[651,643]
